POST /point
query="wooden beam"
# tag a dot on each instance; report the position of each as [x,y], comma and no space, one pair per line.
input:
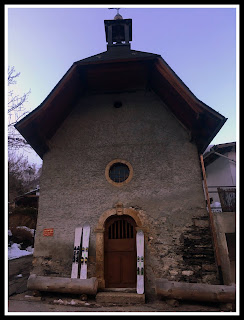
[64,285]
[195,291]
[211,219]
[177,84]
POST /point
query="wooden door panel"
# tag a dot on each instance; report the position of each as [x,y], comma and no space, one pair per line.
[128,266]
[120,245]
[112,270]
[120,252]
[120,270]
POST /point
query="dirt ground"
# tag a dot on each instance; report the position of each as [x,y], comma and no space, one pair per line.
[21,300]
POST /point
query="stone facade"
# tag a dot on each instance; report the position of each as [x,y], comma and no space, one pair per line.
[165,194]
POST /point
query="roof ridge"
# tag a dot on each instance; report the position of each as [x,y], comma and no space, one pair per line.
[117,53]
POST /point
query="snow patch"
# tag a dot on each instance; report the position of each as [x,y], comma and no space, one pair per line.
[73,302]
[15,252]
[19,276]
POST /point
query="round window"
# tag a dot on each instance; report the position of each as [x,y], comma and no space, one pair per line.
[118,172]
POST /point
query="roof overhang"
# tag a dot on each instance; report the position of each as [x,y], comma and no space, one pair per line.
[215,151]
[106,73]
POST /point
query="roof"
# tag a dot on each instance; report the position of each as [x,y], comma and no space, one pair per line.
[211,155]
[28,199]
[116,70]
[33,192]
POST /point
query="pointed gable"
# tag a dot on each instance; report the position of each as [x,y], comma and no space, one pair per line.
[116,70]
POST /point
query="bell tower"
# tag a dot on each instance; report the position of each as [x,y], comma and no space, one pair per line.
[118,31]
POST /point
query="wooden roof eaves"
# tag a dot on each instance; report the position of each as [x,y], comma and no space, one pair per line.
[30,127]
[178,84]
[214,133]
[211,156]
[221,148]
[197,105]
[205,107]
[162,67]
[48,100]
[166,91]
[120,60]
[224,146]
[62,82]
[117,55]
[193,104]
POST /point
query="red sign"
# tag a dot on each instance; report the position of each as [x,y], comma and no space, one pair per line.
[48,232]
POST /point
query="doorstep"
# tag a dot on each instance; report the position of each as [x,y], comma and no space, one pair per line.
[119,297]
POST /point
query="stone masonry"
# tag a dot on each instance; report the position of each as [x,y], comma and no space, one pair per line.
[165,190]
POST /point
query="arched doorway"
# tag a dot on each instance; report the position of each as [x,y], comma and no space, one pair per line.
[120,252]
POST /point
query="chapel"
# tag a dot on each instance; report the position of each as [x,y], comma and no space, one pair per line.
[120,136]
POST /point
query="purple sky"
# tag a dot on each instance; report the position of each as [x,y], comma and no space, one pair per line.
[199,44]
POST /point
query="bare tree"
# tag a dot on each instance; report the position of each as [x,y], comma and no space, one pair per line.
[15,112]
[22,176]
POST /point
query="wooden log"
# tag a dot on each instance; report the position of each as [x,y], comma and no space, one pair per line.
[64,285]
[195,291]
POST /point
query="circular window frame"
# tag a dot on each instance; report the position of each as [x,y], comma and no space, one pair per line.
[110,164]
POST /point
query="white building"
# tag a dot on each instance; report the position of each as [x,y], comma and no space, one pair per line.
[220,167]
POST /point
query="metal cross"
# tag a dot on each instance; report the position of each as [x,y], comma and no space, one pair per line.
[115,9]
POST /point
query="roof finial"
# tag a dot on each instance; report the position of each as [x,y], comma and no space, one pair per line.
[118,16]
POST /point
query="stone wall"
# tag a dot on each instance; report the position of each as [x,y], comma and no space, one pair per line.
[198,254]
[166,187]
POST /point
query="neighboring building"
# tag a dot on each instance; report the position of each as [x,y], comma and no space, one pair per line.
[23,216]
[220,166]
[28,199]
[120,137]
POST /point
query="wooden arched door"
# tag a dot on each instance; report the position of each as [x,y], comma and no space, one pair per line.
[120,252]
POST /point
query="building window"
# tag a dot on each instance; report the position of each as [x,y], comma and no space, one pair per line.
[118,172]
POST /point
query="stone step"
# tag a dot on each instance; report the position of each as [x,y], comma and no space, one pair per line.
[130,290]
[120,298]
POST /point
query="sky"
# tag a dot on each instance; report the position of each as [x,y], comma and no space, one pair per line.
[199,44]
